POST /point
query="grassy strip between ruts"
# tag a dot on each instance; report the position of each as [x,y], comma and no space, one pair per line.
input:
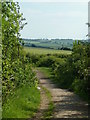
[23,104]
[49,112]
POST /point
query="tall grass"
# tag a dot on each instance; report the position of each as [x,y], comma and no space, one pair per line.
[22,104]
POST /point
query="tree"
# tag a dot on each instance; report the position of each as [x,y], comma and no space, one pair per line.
[12,56]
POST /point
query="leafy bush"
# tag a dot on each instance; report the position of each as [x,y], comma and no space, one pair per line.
[72,73]
[46,61]
[16,69]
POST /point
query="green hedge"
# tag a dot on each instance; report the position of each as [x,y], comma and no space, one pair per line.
[72,73]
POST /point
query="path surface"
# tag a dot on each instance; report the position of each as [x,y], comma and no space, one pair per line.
[67,104]
[43,106]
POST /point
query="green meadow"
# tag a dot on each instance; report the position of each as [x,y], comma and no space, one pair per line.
[44,51]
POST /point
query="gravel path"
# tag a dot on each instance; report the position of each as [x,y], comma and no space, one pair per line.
[43,106]
[67,104]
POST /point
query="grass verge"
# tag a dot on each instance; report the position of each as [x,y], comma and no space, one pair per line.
[23,104]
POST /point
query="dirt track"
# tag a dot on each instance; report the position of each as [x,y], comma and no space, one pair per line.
[67,104]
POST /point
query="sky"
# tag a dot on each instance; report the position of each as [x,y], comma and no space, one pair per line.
[55,19]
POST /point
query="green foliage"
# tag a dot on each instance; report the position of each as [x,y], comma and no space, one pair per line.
[16,68]
[45,57]
[62,74]
[46,61]
[34,58]
[72,73]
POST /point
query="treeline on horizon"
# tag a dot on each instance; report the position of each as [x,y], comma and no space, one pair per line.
[44,39]
[60,44]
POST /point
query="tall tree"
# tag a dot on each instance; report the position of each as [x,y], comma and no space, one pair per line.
[12,23]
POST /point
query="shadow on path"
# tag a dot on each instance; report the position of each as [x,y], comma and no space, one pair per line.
[67,104]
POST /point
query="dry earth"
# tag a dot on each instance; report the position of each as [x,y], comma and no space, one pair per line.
[67,104]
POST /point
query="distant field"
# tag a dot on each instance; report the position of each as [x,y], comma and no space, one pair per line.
[45,51]
[46,43]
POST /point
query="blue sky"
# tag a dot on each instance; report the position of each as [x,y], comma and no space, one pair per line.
[55,20]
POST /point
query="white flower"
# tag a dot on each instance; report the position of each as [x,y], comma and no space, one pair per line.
[38,88]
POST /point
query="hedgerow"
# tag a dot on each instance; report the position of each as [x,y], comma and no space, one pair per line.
[16,68]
